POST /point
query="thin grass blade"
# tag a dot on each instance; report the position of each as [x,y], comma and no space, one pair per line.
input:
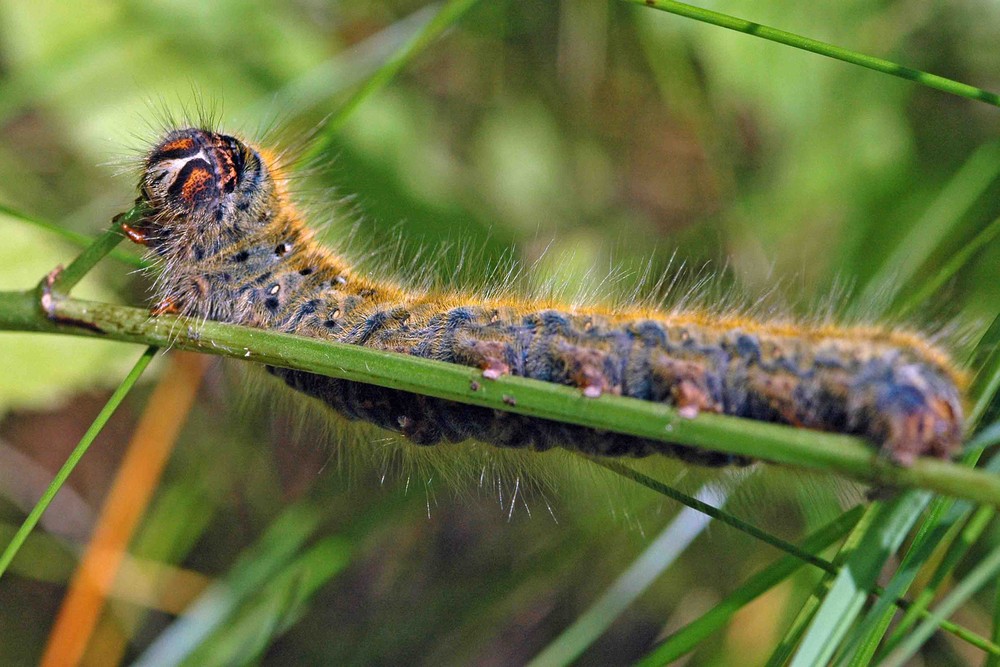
[857,577]
[655,560]
[823,49]
[74,458]
[687,638]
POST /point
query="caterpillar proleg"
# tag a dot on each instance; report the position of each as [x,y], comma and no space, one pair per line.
[234,248]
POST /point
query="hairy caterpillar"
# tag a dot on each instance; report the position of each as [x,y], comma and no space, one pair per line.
[235,249]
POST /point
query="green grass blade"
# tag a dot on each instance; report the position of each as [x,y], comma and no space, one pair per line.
[279,545]
[984,572]
[68,235]
[969,535]
[937,223]
[861,645]
[988,437]
[803,620]
[74,458]
[857,577]
[315,87]
[76,238]
[822,48]
[688,637]
[971,532]
[657,557]
[95,252]
[993,660]
[986,382]
[783,651]
[716,513]
[450,13]
[951,267]
[272,610]
[805,556]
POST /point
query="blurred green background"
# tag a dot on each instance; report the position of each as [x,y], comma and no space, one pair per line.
[585,138]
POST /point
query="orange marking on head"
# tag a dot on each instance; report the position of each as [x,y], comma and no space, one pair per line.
[182,144]
[197,181]
[227,167]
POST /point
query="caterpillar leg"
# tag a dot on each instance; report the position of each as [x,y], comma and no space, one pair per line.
[586,368]
[135,235]
[781,394]
[166,306]
[687,385]
[491,356]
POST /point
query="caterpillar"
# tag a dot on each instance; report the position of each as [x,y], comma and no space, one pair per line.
[234,248]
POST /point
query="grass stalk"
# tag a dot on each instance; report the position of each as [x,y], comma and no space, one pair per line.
[845,455]
[822,48]
[81,448]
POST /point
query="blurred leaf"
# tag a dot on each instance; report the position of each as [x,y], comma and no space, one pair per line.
[248,577]
[277,605]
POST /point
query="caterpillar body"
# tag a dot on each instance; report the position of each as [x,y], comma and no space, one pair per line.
[235,249]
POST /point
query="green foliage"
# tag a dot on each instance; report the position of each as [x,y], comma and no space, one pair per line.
[595,124]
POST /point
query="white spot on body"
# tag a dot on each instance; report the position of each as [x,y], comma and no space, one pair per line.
[688,412]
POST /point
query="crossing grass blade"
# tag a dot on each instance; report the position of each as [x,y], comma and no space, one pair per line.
[984,572]
[68,235]
[656,559]
[849,590]
[285,538]
[74,458]
[690,636]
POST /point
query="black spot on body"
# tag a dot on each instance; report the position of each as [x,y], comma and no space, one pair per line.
[241,256]
[377,320]
[271,303]
[459,316]
[748,348]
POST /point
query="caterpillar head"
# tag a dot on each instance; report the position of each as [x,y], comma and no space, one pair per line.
[199,183]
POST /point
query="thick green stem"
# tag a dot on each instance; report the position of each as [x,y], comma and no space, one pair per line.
[844,455]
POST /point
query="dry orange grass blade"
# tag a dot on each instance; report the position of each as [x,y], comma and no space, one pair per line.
[126,502]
